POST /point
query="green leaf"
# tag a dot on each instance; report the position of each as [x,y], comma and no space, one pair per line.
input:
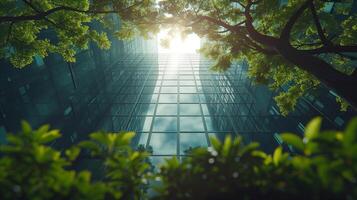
[227,145]
[293,140]
[301,162]
[72,153]
[258,153]
[9,149]
[277,156]
[89,145]
[128,136]
[100,137]
[49,136]
[312,128]
[26,128]
[172,163]
[216,144]
[350,136]
[311,148]
[14,139]
[85,176]
[43,129]
[248,148]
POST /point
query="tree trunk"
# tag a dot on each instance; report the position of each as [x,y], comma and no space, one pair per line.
[343,84]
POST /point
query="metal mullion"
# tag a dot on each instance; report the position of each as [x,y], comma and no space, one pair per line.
[199,102]
[156,104]
[178,112]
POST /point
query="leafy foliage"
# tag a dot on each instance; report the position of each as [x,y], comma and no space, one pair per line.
[262,32]
[322,165]
[30,169]
[257,31]
[31,28]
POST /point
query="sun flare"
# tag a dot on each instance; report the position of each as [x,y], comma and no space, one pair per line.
[178,45]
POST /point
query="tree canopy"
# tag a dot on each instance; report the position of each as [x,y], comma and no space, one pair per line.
[297,44]
[31,28]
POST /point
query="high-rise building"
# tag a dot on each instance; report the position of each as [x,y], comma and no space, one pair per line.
[173,102]
[73,97]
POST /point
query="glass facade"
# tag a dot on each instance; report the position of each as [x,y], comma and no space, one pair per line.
[173,102]
[73,97]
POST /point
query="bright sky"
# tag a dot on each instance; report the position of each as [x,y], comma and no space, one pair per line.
[189,45]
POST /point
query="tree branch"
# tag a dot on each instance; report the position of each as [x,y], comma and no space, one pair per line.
[9,33]
[32,6]
[320,32]
[285,34]
[259,48]
[30,17]
[240,23]
[42,14]
[253,33]
[217,22]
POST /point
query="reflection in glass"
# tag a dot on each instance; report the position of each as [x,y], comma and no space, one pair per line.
[143,137]
[192,140]
[168,98]
[190,109]
[166,109]
[169,83]
[169,90]
[188,90]
[165,124]
[163,143]
[191,124]
[140,124]
[189,98]
[157,161]
[205,109]
[209,124]
[148,98]
[188,83]
[144,109]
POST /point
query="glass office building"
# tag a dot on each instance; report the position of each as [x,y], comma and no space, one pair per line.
[73,97]
[173,102]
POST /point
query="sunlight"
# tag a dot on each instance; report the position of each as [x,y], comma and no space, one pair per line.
[177,45]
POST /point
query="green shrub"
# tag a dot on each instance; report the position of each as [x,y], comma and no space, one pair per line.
[30,169]
[323,166]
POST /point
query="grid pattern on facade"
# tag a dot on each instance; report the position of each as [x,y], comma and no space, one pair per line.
[175,102]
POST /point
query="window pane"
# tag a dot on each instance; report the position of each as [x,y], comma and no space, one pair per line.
[166,109]
[188,90]
[168,98]
[142,138]
[190,109]
[191,83]
[189,98]
[191,124]
[169,90]
[168,83]
[192,140]
[163,144]
[165,124]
